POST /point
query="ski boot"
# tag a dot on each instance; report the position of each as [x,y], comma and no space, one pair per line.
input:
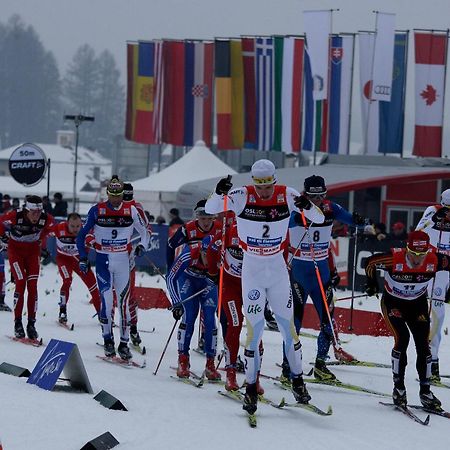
[341,355]
[31,330]
[183,366]
[299,390]
[231,382]
[19,332]
[428,399]
[108,346]
[285,377]
[124,351]
[250,399]
[210,370]
[62,314]
[321,371]
[259,388]
[134,336]
[435,371]
[3,305]
[399,396]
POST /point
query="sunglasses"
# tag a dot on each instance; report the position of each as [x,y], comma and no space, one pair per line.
[416,253]
[265,180]
[317,196]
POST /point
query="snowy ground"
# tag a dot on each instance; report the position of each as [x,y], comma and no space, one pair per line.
[166,414]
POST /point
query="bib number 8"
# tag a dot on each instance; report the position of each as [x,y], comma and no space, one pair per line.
[316,236]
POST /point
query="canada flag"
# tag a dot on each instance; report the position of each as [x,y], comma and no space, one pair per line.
[430,52]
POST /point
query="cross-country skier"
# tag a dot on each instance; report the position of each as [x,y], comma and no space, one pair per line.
[305,246]
[262,212]
[27,229]
[67,259]
[436,223]
[112,223]
[404,304]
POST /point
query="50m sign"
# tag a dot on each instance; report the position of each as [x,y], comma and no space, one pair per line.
[28,164]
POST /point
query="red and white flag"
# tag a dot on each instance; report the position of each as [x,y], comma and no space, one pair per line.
[431,60]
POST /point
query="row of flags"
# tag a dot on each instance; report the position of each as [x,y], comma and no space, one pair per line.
[274,93]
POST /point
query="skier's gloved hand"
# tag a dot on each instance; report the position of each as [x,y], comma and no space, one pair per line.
[302,202]
[45,256]
[140,250]
[441,213]
[212,278]
[371,289]
[358,219]
[224,185]
[3,243]
[177,312]
[335,278]
[84,265]
[447,296]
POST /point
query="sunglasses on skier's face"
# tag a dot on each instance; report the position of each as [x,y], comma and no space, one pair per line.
[317,196]
[416,253]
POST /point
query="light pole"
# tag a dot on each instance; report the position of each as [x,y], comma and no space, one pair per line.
[78,120]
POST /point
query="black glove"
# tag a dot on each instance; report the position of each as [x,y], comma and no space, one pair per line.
[358,219]
[45,253]
[447,296]
[302,202]
[213,278]
[224,185]
[140,250]
[371,289]
[4,243]
[84,265]
[441,213]
[177,312]
[335,279]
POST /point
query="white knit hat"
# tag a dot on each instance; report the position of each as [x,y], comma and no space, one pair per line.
[263,172]
[445,198]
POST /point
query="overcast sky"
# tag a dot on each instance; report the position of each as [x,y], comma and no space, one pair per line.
[64,25]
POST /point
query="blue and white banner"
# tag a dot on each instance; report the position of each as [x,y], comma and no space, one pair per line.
[265,104]
[383,122]
[341,73]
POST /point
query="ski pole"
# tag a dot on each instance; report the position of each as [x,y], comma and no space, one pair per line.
[154,266]
[170,308]
[349,297]
[222,253]
[165,347]
[319,280]
[353,279]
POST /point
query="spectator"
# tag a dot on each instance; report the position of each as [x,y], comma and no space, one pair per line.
[398,232]
[160,220]
[380,230]
[60,208]
[6,203]
[150,217]
[175,218]
[15,203]
[47,205]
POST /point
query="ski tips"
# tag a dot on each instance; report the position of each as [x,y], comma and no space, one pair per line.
[329,410]
[427,420]
[310,372]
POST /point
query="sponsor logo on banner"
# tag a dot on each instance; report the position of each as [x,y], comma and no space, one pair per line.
[27,164]
[254,294]
[382,90]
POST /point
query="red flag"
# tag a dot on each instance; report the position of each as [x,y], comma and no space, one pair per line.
[431,60]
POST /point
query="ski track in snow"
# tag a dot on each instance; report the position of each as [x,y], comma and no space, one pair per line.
[165,414]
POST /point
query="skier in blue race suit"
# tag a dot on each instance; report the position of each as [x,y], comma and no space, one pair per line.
[187,276]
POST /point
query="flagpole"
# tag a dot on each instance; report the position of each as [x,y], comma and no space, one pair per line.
[445,76]
[351,92]
[405,78]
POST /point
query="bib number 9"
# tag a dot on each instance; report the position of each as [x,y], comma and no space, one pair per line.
[114,234]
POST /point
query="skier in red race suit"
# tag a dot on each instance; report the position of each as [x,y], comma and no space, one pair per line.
[67,260]
[404,304]
[27,229]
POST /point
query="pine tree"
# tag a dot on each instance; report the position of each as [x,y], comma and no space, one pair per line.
[30,93]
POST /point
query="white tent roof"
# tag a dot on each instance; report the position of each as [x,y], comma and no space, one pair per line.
[197,164]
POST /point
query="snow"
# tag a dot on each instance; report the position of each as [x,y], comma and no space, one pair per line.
[167,414]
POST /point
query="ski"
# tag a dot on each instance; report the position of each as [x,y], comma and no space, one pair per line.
[27,341]
[405,410]
[438,411]
[190,381]
[152,330]
[239,397]
[138,348]
[440,384]
[348,386]
[310,407]
[357,362]
[5,307]
[199,351]
[122,362]
[201,379]
[65,325]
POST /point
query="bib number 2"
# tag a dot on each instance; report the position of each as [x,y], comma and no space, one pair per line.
[266,231]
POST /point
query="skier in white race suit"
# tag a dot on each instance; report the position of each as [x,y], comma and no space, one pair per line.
[262,212]
[436,223]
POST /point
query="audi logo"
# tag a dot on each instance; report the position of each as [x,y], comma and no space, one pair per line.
[382,90]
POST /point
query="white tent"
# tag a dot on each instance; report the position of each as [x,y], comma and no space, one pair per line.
[157,193]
